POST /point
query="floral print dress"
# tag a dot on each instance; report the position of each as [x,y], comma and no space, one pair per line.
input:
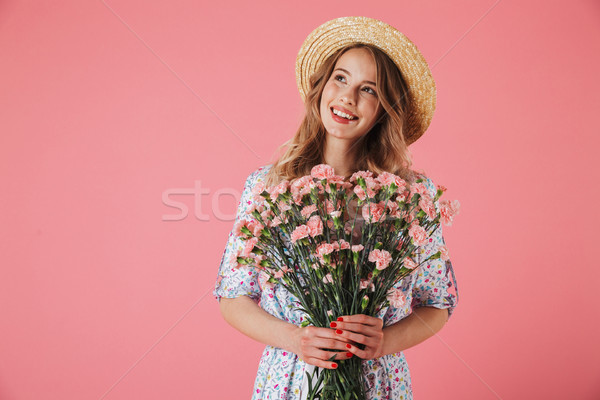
[280,372]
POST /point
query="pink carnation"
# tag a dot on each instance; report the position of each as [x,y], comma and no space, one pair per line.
[255,227]
[401,183]
[373,212]
[392,207]
[357,247]
[325,248]
[251,208]
[237,227]
[344,244]
[401,213]
[257,189]
[418,234]
[409,263]
[306,211]
[320,187]
[277,190]
[232,260]
[385,178]
[322,171]
[300,232]
[381,258]
[364,174]
[266,214]
[396,298]
[401,197]
[448,209]
[283,206]
[255,207]
[367,283]
[278,274]
[372,185]
[409,217]
[329,206]
[337,180]
[328,278]
[257,259]
[400,244]
[346,185]
[315,225]
[301,187]
[263,280]
[445,255]
[250,243]
[418,188]
[360,192]
[426,204]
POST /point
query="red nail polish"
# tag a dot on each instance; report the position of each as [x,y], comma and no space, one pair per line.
[333,324]
[349,354]
[338,331]
[349,346]
[340,319]
[333,365]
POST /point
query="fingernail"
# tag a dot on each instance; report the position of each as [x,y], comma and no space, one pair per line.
[349,346]
[340,319]
[338,331]
[333,324]
[333,365]
[349,354]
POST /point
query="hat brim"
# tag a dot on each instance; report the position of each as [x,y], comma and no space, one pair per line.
[333,35]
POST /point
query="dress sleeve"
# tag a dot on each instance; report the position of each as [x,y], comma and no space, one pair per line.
[239,281]
[435,278]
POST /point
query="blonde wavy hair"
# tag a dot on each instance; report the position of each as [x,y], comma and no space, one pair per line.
[383,148]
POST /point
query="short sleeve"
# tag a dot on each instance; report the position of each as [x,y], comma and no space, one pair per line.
[239,281]
[434,279]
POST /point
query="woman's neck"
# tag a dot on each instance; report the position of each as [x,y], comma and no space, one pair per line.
[341,155]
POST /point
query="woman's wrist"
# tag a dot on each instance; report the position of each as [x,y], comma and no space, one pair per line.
[417,327]
[291,337]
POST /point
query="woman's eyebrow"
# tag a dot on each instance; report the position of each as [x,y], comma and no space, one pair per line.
[342,69]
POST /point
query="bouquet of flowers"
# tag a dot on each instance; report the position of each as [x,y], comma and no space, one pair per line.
[307,236]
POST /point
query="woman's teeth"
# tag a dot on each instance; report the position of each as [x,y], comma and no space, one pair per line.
[342,114]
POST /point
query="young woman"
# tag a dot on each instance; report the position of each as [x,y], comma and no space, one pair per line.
[368,94]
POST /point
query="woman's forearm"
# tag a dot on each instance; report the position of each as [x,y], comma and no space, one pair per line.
[420,325]
[316,346]
[245,315]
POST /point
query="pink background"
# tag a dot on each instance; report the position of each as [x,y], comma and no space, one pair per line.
[106,107]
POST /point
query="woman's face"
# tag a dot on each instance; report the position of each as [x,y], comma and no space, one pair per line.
[351,92]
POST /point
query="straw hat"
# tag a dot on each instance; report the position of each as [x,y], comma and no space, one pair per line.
[340,32]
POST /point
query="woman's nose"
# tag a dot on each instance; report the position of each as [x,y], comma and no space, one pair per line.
[348,96]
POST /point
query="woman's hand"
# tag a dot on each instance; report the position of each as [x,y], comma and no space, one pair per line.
[317,346]
[361,329]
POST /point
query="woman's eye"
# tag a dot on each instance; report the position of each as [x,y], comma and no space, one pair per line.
[370,91]
[341,78]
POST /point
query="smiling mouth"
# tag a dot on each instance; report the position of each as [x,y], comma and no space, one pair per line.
[343,115]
